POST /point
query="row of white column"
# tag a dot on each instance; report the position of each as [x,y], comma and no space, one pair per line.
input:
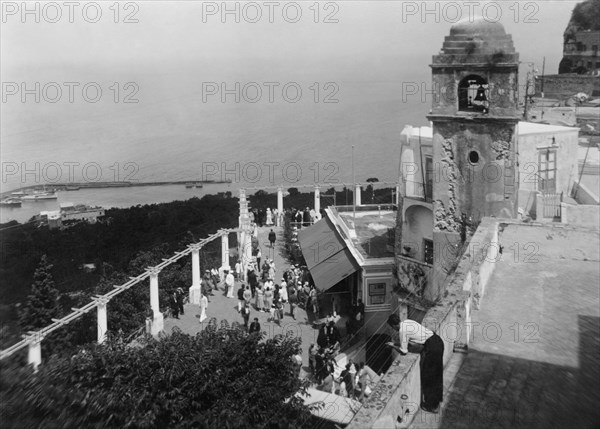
[155,324]
[357,193]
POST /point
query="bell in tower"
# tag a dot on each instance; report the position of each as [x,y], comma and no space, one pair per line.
[480,94]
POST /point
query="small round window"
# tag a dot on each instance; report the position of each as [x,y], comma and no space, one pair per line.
[474,157]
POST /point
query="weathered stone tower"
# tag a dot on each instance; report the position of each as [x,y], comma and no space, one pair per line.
[474,117]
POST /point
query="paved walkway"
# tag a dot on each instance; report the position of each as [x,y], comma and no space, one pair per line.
[535,358]
[226,308]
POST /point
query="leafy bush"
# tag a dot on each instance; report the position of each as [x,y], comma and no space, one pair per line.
[220,378]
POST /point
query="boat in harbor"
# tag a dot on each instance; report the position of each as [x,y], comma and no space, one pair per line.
[73,188]
[199,185]
[39,196]
[189,185]
[10,202]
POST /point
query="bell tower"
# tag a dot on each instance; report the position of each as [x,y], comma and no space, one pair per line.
[474,116]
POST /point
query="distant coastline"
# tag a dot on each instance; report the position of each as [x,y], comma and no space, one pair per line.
[73,186]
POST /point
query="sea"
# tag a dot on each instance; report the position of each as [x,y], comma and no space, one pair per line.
[175,135]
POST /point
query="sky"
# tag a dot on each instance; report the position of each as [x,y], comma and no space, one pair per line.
[168,35]
[366,51]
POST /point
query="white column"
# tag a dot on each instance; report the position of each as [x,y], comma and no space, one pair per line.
[357,194]
[158,319]
[243,209]
[280,200]
[242,252]
[247,251]
[225,251]
[317,199]
[398,194]
[102,318]
[195,290]
[34,355]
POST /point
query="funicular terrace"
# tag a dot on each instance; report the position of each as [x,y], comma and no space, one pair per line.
[221,309]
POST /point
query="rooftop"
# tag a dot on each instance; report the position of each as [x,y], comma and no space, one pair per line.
[475,40]
[535,355]
[535,128]
[524,128]
[372,225]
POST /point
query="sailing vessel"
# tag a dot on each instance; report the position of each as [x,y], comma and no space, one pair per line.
[38,196]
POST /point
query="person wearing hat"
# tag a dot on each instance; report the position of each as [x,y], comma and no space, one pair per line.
[240,294]
[229,283]
[180,298]
[293,299]
[238,270]
[174,305]
[254,326]
[252,280]
[260,298]
[247,295]
[206,283]
[283,293]
[203,308]
[258,257]
[306,217]
[272,237]
[246,313]
[271,270]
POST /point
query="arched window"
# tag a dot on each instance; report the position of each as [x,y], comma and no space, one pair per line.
[473,94]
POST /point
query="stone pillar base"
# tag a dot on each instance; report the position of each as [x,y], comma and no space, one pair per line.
[195,294]
[158,323]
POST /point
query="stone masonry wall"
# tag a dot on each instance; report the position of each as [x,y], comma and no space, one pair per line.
[450,319]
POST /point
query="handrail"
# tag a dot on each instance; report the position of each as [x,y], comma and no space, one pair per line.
[34,336]
[324,185]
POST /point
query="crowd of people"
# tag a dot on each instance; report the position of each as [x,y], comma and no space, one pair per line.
[266,290]
[352,381]
[266,217]
[266,295]
[273,217]
[303,218]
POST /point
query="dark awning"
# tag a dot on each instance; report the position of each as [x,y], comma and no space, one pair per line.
[327,256]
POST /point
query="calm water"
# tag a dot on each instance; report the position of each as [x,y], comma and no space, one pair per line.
[115,197]
[173,135]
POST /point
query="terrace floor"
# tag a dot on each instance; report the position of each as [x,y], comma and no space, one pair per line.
[224,308]
[535,358]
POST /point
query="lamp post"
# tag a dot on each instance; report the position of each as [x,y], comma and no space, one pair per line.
[355,189]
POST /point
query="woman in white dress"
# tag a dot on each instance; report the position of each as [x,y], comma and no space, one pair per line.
[203,307]
[269,217]
[283,293]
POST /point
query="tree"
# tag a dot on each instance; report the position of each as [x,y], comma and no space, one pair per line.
[42,304]
[41,307]
[370,189]
[219,378]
